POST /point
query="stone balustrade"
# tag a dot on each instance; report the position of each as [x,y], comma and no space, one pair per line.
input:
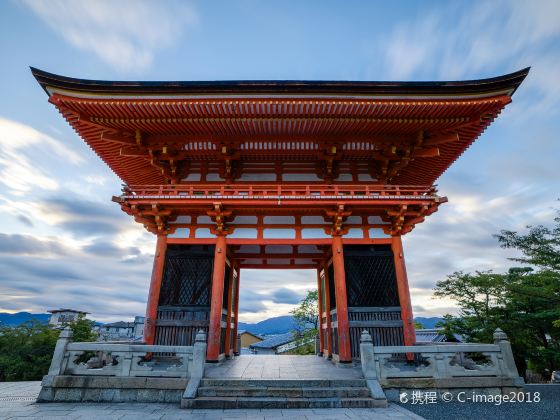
[441,366]
[126,359]
[438,361]
[122,371]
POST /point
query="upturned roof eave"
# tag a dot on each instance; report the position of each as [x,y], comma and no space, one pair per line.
[506,83]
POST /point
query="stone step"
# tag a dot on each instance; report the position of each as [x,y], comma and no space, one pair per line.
[277,402]
[283,383]
[254,391]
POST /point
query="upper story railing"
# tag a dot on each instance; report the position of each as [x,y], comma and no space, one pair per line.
[281,191]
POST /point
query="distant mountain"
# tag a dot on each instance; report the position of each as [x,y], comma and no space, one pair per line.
[284,324]
[276,325]
[18,318]
[428,323]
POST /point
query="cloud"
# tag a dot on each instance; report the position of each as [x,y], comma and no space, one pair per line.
[125,34]
[84,217]
[462,41]
[29,245]
[284,295]
[17,171]
[25,220]
[108,249]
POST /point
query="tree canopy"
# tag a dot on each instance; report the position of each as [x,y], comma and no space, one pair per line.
[524,302]
[306,317]
[26,350]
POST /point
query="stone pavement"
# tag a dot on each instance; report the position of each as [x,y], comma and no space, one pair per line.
[281,367]
[17,402]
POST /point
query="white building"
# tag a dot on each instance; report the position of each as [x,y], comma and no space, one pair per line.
[64,316]
[122,331]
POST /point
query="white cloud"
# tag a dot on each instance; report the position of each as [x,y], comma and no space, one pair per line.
[124,33]
[478,40]
[17,172]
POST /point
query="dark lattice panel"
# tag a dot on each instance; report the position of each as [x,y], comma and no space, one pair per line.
[391,336]
[370,276]
[334,337]
[223,341]
[187,278]
[323,294]
[177,326]
[233,292]
[332,293]
[226,286]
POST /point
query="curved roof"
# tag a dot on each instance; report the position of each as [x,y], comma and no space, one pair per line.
[506,83]
[413,131]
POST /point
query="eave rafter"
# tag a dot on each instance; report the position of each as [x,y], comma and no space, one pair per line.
[173,161]
[337,217]
[154,218]
[219,216]
[402,219]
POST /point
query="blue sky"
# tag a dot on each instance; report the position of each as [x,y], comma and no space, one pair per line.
[62,241]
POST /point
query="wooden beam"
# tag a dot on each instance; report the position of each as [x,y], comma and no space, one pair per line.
[214,328]
[344,349]
[155,287]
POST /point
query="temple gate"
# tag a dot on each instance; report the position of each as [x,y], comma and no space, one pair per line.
[289,174]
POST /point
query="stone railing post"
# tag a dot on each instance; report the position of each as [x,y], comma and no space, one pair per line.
[366,356]
[199,355]
[57,362]
[199,359]
[509,367]
[238,346]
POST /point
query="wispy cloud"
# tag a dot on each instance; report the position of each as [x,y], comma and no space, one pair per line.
[463,41]
[17,172]
[125,34]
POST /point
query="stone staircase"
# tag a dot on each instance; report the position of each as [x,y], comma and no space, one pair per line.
[283,393]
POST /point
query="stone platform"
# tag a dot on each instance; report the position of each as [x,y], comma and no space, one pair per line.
[17,402]
[280,367]
[283,382]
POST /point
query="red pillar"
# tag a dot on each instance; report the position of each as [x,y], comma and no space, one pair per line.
[236,350]
[155,287]
[228,344]
[404,292]
[344,352]
[328,308]
[321,309]
[214,328]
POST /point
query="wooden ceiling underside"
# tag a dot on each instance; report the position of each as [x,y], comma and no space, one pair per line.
[162,141]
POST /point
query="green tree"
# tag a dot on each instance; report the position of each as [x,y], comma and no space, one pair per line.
[524,302]
[26,351]
[306,317]
[418,325]
[83,330]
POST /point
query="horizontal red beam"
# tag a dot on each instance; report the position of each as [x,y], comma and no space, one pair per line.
[233,241]
[302,189]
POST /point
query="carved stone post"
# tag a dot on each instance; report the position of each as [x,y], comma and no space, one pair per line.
[57,363]
[366,356]
[509,367]
[199,355]
[199,358]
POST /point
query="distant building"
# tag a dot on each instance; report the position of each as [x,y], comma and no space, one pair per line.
[248,338]
[277,344]
[435,335]
[64,316]
[122,331]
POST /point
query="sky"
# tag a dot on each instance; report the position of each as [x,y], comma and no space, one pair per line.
[63,243]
